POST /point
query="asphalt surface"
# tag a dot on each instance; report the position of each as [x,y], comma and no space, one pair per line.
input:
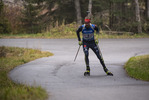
[63,78]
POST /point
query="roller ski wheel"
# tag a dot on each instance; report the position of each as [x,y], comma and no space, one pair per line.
[109,73]
[87,73]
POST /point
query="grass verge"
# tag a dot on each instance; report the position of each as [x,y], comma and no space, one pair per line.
[69,31]
[11,57]
[138,67]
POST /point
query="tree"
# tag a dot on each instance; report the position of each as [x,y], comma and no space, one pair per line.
[147,9]
[4,24]
[138,19]
[13,15]
[146,22]
[58,12]
[78,11]
[31,17]
[90,8]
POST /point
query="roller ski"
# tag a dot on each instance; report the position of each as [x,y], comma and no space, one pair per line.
[87,73]
[108,72]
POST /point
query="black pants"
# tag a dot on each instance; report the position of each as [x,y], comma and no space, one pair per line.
[94,47]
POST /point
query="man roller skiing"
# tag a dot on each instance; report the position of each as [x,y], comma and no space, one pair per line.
[88,41]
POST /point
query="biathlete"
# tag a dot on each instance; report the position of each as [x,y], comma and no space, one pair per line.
[89,41]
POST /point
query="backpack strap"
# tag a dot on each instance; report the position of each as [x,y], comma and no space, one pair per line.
[91,26]
[83,26]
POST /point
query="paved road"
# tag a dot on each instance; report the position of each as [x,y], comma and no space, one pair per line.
[64,79]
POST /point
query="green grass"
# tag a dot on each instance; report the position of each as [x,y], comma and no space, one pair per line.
[69,31]
[57,35]
[11,57]
[138,67]
[124,36]
[63,31]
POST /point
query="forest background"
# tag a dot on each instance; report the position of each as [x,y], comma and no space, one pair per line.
[40,16]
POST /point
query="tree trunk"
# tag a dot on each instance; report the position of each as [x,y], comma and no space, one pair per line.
[110,14]
[78,11]
[147,9]
[90,8]
[138,19]
[1,7]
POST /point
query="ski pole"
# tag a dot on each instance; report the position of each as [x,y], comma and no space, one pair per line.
[77,53]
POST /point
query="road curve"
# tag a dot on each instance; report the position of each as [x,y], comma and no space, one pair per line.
[64,79]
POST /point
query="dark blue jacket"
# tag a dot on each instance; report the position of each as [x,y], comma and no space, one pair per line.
[87,33]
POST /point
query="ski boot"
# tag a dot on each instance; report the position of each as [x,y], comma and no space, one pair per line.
[108,72]
[87,73]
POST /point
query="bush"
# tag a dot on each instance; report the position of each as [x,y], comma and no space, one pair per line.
[4,26]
